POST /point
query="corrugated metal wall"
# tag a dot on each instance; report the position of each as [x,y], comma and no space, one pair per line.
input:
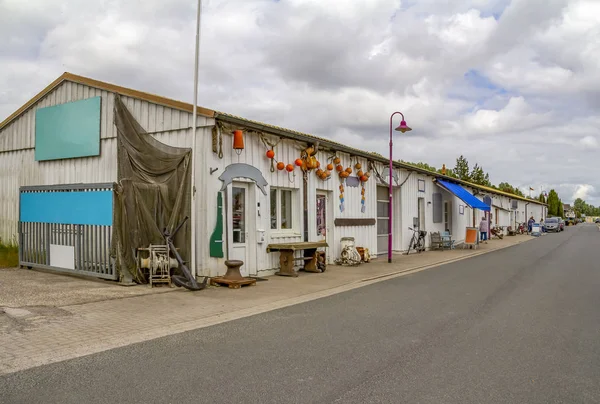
[19,168]
[173,127]
[288,151]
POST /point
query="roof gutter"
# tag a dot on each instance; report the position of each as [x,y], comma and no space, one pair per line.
[349,150]
[297,136]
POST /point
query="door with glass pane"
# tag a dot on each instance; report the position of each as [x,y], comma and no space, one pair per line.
[238,224]
[448,216]
[421,214]
[383,219]
[324,225]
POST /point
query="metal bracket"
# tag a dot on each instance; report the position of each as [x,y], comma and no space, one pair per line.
[212,170]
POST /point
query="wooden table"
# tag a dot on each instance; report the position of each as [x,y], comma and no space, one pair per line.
[310,256]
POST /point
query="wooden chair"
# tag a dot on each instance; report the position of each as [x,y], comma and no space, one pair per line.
[436,241]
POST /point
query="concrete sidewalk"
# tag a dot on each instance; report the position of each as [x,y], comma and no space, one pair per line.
[57,325]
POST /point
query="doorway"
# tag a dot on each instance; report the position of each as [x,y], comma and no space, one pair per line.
[448,216]
[323,229]
[240,225]
[421,213]
[383,219]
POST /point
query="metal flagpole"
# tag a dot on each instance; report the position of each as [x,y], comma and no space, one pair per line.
[194,125]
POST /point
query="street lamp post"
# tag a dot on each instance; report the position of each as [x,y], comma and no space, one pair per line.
[402,128]
[194,118]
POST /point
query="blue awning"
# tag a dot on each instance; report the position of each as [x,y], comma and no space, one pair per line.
[464,195]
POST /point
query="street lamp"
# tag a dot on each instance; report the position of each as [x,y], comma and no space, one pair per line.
[402,128]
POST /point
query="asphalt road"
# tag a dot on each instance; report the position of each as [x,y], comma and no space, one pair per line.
[520,325]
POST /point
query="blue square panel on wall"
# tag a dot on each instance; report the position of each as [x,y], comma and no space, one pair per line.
[68,131]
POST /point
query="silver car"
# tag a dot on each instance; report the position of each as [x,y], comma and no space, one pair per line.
[552,224]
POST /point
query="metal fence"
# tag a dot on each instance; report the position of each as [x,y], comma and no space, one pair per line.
[67,238]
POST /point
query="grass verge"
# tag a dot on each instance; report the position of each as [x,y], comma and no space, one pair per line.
[9,255]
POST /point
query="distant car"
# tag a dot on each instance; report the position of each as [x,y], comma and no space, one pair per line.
[552,225]
[597,220]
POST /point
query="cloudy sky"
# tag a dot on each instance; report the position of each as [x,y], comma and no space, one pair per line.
[512,85]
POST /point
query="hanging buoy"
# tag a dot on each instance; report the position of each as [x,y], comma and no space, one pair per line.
[238,141]
[270,154]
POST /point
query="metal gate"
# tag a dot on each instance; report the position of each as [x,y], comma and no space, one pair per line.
[67,228]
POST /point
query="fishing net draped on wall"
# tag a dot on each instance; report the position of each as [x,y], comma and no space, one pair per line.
[152,193]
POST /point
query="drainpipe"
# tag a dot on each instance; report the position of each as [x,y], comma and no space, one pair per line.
[305,203]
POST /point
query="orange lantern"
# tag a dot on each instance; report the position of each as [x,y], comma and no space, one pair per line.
[336,160]
[280,165]
[270,154]
[359,173]
[358,166]
[330,167]
[289,168]
[298,162]
[339,168]
[349,170]
[238,141]
[364,178]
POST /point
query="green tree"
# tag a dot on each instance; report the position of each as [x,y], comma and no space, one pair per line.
[561,209]
[542,198]
[553,204]
[479,177]
[461,169]
[506,187]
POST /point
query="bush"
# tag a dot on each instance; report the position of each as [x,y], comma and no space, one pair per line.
[9,255]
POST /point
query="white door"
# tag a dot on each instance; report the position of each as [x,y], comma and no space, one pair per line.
[448,216]
[324,226]
[383,219]
[237,223]
[421,213]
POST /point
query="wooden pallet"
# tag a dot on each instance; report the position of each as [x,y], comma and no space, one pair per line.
[232,283]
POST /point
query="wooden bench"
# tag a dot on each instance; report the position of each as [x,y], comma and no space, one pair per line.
[310,257]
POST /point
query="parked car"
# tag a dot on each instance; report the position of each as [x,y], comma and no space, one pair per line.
[552,225]
[597,220]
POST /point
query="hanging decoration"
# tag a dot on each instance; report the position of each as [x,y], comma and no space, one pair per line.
[363,207]
[270,154]
[341,197]
[216,239]
[280,165]
[238,141]
[291,174]
[215,139]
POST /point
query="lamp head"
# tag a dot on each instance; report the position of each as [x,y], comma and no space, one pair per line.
[403,127]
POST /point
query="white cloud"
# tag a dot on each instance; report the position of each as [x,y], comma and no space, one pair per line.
[512,85]
[583,191]
[589,142]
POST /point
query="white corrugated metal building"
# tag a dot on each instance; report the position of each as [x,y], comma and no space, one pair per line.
[279,213]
